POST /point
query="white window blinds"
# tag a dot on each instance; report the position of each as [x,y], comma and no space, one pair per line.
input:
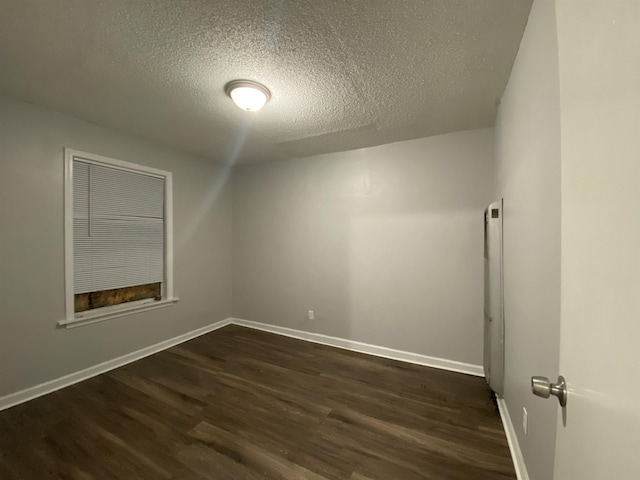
[118,228]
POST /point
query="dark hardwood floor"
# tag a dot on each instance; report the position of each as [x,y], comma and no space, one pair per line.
[242,404]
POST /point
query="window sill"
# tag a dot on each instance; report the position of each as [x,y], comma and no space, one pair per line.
[107,313]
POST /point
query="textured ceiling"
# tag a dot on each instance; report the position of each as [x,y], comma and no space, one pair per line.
[343,74]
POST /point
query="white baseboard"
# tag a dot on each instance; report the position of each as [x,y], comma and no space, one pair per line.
[68,380]
[514,446]
[385,352]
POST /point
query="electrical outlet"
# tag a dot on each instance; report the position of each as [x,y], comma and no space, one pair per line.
[311,315]
[525,421]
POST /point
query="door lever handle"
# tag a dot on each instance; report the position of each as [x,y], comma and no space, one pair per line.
[542,387]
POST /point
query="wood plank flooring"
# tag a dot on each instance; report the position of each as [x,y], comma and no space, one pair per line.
[240,404]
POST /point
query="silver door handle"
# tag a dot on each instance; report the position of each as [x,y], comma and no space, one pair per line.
[542,387]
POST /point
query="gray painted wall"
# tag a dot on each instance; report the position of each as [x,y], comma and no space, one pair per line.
[528,177]
[32,349]
[385,244]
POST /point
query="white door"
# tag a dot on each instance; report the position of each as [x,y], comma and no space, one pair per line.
[599,51]
[493,299]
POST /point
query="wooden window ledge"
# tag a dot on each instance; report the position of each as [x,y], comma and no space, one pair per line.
[107,313]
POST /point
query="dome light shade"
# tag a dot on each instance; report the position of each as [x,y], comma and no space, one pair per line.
[248,95]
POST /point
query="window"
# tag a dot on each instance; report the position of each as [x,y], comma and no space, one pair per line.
[118,238]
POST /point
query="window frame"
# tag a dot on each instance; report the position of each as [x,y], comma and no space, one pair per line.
[73,319]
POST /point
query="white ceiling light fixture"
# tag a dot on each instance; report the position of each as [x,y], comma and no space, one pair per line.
[248,95]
